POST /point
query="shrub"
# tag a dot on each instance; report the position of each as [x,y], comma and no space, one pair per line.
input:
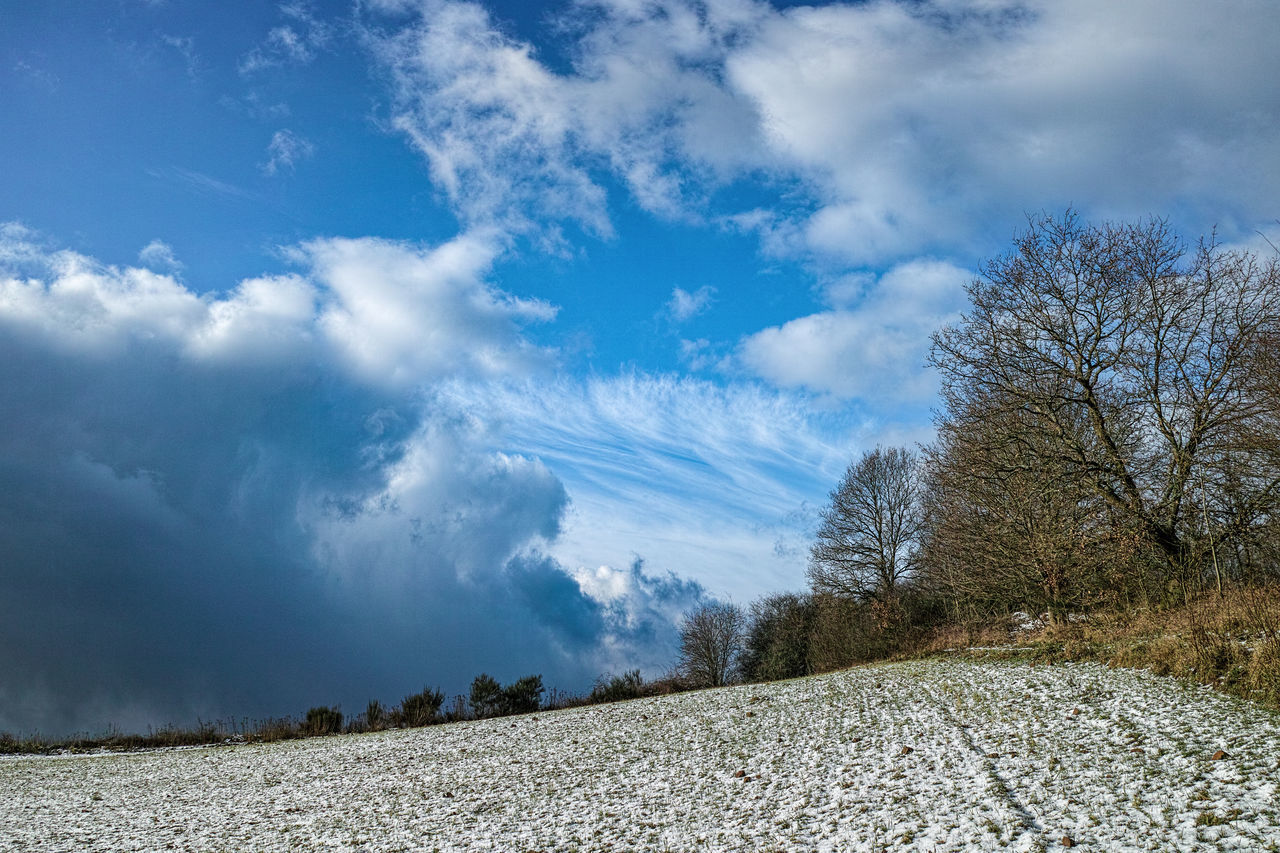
[523,696]
[618,688]
[275,728]
[486,696]
[322,721]
[1264,671]
[420,709]
[778,637]
[375,716]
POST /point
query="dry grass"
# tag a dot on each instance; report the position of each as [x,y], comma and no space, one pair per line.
[1230,642]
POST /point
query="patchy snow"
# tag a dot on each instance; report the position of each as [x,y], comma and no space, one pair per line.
[1024,621]
[937,755]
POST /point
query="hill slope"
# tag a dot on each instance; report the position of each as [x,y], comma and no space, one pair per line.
[1002,756]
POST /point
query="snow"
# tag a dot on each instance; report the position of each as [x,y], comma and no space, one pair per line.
[1003,756]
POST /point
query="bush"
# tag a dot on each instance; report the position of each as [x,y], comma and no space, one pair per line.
[523,696]
[375,716]
[486,696]
[420,709]
[778,637]
[275,728]
[1264,672]
[322,721]
[618,688]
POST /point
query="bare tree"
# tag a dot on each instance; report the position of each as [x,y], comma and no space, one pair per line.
[1008,527]
[866,544]
[711,638]
[1127,331]
[1255,455]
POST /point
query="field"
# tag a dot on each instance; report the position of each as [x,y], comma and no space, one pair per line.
[933,755]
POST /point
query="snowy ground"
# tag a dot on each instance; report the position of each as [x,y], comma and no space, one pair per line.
[1002,756]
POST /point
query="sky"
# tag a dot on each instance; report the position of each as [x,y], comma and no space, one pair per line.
[348,348]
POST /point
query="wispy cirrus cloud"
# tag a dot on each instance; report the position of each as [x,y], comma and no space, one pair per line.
[200,182]
[715,482]
[295,42]
[285,151]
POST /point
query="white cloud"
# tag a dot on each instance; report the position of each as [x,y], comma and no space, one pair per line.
[684,306]
[285,150]
[267,320]
[701,354]
[399,314]
[393,314]
[514,143]
[494,124]
[905,127]
[911,119]
[293,43]
[159,255]
[84,305]
[639,607]
[874,349]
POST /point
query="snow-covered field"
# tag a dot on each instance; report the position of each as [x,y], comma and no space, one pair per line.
[917,756]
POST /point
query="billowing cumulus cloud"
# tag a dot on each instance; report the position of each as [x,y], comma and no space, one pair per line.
[250,502]
[912,119]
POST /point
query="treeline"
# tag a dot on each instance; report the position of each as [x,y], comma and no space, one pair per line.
[486,699]
[1108,442]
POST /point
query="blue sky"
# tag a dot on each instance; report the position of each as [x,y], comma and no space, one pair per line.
[355,346]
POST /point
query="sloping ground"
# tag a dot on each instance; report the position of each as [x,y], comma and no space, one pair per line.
[1002,756]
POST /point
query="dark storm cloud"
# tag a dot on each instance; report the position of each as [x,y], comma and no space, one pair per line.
[216,507]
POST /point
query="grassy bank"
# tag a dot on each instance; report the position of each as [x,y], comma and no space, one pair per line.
[1230,642]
